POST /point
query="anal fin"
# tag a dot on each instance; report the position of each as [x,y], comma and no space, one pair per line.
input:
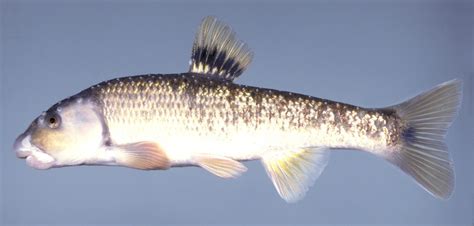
[221,166]
[293,172]
[141,155]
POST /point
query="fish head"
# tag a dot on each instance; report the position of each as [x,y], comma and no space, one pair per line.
[68,133]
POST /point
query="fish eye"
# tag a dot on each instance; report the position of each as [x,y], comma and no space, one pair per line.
[53,121]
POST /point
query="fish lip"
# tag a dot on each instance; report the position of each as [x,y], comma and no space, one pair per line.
[34,156]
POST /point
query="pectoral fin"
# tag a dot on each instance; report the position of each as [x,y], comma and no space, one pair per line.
[142,155]
[293,172]
[221,166]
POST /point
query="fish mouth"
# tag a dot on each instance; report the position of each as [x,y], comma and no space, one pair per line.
[35,157]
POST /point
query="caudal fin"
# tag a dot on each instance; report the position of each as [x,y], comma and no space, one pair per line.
[424,154]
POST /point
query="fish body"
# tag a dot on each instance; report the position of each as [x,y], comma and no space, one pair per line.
[190,113]
[203,118]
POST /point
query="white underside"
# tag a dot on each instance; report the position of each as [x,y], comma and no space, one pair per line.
[182,146]
[245,143]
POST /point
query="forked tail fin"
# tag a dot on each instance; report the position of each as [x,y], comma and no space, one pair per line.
[424,154]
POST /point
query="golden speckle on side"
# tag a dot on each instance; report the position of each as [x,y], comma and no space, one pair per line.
[168,108]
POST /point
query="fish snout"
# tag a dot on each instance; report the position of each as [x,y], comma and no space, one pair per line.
[34,156]
[22,146]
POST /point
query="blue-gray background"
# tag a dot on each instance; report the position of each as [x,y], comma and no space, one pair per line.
[369,53]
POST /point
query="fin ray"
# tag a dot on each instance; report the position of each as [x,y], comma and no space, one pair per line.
[424,154]
[141,155]
[216,51]
[293,172]
[221,166]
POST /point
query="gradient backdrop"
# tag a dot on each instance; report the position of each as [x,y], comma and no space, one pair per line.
[370,53]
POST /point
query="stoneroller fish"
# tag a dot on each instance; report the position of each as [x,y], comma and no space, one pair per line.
[203,118]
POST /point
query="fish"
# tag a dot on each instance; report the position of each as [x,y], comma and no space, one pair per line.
[203,118]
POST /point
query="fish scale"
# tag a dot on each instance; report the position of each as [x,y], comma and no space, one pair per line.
[160,106]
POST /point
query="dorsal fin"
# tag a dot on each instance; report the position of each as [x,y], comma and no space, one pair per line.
[217,51]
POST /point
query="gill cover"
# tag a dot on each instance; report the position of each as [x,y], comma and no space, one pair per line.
[70,132]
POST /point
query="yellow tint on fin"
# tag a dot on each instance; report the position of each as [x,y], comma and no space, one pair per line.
[221,166]
[293,172]
[142,155]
